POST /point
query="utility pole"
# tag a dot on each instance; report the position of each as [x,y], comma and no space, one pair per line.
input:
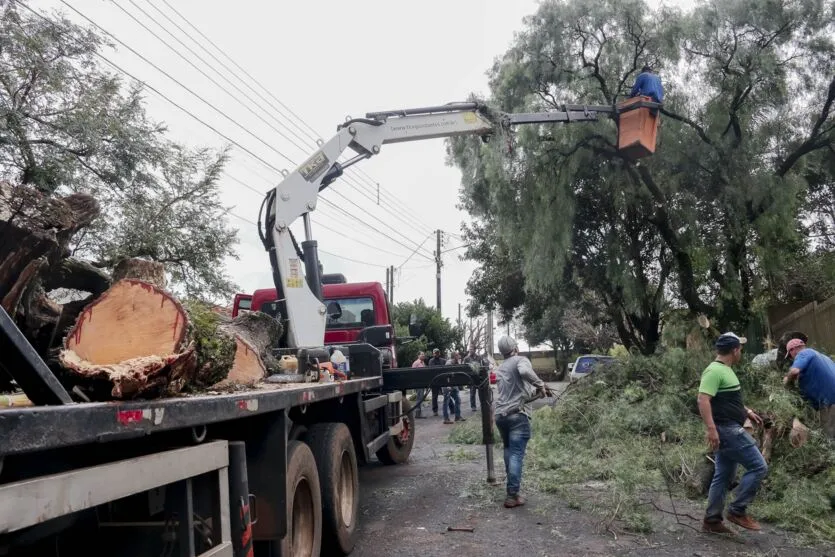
[388,283]
[438,264]
[391,287]
[490,333]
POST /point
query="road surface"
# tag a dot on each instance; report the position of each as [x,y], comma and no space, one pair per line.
[405,512]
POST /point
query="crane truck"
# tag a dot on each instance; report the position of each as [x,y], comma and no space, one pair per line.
[268,471]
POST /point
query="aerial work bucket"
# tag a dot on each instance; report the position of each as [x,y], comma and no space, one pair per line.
[637,129]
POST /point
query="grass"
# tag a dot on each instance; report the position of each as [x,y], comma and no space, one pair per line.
[461,455]
[632,436]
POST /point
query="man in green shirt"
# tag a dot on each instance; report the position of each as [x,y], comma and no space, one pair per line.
[722,410]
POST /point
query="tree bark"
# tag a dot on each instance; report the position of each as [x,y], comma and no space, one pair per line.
[141,269]
[255,334]
[35,232]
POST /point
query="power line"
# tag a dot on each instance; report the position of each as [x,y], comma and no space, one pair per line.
[340,194]
[163,96]
[268,165]
[214,82]
[204,74]
[343,211]
[321,250]
[368,182]
[175,80]
[341,232]
[415,251]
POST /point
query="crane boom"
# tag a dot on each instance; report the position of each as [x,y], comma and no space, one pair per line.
[297,194]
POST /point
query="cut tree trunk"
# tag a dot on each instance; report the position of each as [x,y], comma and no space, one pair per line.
[255,334]
[133,338]
[137,340]
[35,231]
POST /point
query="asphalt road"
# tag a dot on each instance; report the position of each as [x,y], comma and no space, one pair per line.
[406,511]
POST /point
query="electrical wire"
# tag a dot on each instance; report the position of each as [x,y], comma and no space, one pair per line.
[214,82]
[415,251]
[365,190]
[189,113]
[362,178]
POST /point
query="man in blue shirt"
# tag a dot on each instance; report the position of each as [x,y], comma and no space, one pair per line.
[815,376]
[648,84]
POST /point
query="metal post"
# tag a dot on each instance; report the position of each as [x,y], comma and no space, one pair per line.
[391,288]
[388,283]
[438,270]
[181,499]
[485,393]
[240,512]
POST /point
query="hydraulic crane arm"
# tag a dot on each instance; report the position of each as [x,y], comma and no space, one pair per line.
[297,194]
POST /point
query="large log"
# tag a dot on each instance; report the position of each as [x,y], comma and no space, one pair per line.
[35,232]
[255,334]
[133,338]
[137,340]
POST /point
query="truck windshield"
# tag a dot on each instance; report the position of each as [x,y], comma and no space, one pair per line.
[356,312]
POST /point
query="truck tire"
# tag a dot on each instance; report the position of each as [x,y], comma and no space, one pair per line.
[336,460]
[304,504]
[399,447]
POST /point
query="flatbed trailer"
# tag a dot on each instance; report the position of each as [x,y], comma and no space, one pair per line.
[270,470]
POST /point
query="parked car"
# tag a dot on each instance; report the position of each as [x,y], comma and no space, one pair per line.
[586,364]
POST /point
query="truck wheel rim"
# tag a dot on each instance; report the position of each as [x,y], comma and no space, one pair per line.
[346,489]
[302,533]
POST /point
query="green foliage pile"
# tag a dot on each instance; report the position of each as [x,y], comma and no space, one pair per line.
[632,434]
[609,428]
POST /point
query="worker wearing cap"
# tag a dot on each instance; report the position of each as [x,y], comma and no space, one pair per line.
[517,385]
[815,376]
[724,414]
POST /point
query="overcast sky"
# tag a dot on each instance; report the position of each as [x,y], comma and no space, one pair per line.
[324,60]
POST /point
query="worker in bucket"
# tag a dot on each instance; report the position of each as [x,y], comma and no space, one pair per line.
[815,376]
[517,386]
[723,412]
[648,84]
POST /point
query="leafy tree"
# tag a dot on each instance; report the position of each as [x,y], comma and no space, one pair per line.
[712,221]
[438,332]
[69,125]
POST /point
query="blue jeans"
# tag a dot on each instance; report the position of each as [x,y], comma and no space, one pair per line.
[515,430]
[736,446]
[452,397]
[473,393]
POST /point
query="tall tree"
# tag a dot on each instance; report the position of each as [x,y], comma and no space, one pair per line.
[69,125]
[747,120]
[436,331]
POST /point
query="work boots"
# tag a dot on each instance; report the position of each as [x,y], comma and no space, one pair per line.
[514,501]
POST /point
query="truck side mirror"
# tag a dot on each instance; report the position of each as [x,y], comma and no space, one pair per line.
[378,335]
[334,310]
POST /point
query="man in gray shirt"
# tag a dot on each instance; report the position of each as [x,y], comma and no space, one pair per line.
[517,385]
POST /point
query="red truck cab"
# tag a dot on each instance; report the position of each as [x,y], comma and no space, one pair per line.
[361,305]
